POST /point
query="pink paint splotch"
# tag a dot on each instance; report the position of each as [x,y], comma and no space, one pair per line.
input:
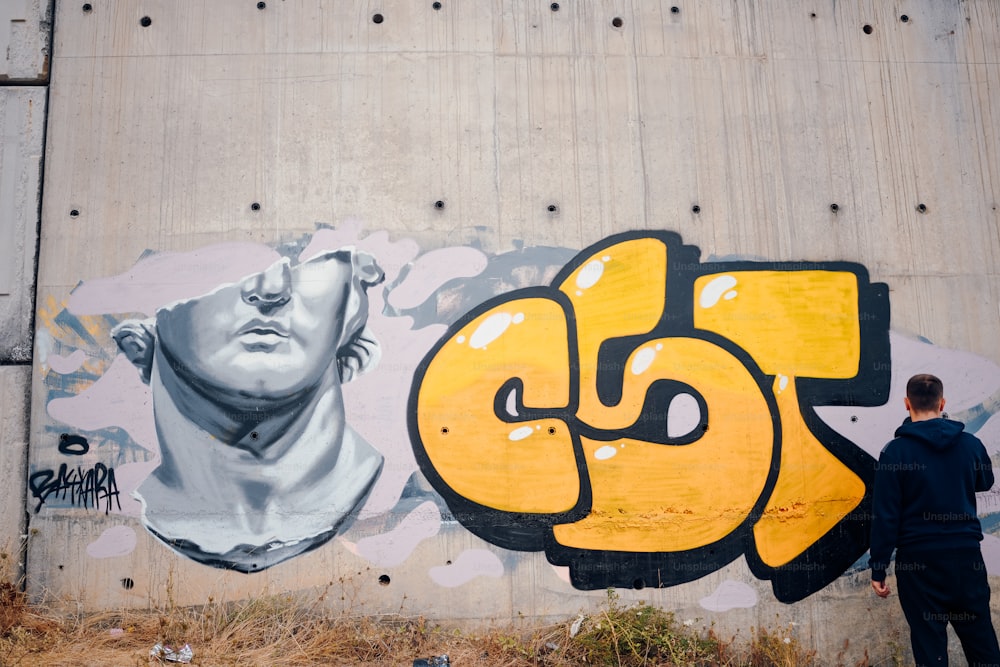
[434,269]
[162,278]
[377,405]
[730,595]
[115,541]
[393,548]
[117,398]
[469,565]
[991,554]
[562,572]
[65,364]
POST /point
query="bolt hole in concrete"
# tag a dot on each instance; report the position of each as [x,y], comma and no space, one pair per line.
[554,6]
[812,15]
[74,213]
[145,21]
[261,5]
[675,10]
[552,208]
[696,209]
[834,207]
[384,580]
[904,18]
[617,22]
[255,206]
[868,29]
[439,204]
[921,208]
[377,18]
[87,7]
[436,5]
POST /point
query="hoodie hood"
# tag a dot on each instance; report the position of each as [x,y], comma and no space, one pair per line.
[937,433]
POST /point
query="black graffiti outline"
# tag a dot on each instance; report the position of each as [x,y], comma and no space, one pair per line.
[73,445]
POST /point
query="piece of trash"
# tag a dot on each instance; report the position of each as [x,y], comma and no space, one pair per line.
[116,632]
[436,661]
[575,628]
[161,652]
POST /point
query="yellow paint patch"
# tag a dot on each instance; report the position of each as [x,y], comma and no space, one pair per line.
[522,466]
[813,493]
[801,323]
[656,497]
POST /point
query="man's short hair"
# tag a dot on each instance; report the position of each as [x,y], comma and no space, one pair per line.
[925,392]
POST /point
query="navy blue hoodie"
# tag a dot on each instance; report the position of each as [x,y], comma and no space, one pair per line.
[925,491]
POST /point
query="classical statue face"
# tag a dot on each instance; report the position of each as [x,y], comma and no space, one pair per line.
[271,336]
[258,463]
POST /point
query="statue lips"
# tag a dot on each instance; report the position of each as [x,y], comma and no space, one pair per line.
[263,335]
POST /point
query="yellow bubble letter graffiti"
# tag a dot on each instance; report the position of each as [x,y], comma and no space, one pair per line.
[649,417]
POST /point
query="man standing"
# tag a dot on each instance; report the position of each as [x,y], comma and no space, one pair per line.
[925,508]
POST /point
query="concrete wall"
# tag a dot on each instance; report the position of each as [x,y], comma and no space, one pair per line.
[25,31]
[472,311]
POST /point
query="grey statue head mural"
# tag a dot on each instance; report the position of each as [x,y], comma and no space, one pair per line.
[258,463]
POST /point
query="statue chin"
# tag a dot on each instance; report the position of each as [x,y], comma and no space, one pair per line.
[237,537]
[238,508]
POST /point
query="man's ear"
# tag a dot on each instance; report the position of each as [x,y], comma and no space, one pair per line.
[136,339]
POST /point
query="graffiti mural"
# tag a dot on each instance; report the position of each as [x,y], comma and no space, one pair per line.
[640,415]
[648,418]
[214,380]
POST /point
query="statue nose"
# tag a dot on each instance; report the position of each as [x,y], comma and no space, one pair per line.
[271,288]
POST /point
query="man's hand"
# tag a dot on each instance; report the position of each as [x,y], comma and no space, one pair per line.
[881,589]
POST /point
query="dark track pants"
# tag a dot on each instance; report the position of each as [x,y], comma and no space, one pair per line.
[941,587]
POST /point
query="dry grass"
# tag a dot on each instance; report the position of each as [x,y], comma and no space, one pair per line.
[289,630]
[292,630]
[284,630]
